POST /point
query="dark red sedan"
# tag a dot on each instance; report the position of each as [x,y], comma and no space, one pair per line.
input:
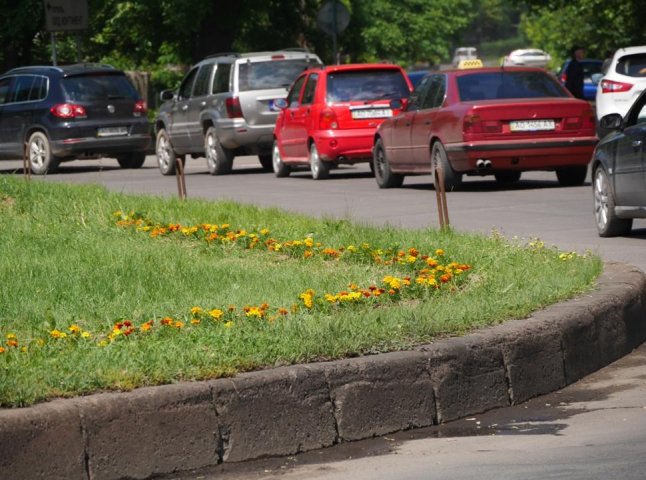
[331,114]
[487,121]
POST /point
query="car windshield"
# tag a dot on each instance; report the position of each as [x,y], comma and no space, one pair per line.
[89,88]
[366,85]
[271,74]
[506,84]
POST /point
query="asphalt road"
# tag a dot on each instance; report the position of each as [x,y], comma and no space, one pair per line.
[594,429]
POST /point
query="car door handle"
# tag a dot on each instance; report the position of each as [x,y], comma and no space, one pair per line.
[203,105]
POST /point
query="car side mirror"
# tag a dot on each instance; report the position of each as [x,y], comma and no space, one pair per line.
[166,95]
[280,103]
[612,121]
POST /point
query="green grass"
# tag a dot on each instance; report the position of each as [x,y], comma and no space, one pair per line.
[65,262]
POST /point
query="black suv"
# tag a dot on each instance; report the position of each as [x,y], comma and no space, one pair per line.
[226,106]
[61,113]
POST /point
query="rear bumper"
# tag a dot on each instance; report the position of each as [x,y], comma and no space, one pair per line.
[523,154]
[236,134]
[95,145]
[345,146]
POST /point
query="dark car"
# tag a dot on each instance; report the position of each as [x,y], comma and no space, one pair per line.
[591,76]
[61,113]
[498,121]
[619,171]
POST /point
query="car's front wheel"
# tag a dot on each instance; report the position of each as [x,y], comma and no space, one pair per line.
[280,169]
[166,157]
[608,225]
[383,174]
[320,169]
[219,160]
[452,179]
[39,153]
[132,160]
[571,176]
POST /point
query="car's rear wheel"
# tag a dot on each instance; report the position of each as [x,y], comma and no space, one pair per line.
[219,160]
[608,225]
[571,176]
[39,152]
[507,177]
[132,160]
[166,156]
[383,174]
[266,162]
[320,169]
[452,179]
[280,169]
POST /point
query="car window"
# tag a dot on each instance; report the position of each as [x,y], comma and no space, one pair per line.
[310,89]
[506,84]
[21,88]
[187,85]
[294,93]
[221,80]
[38,88]
[97,87]
[435,95]
[632,65]
[366,85]
[417,97]
[271,74]
[5,84]
[201,87]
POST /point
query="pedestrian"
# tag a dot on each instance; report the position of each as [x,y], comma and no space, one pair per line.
[574,72]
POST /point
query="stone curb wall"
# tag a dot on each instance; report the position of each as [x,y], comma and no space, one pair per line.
[284,411]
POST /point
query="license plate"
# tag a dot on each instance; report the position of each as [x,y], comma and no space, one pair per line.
[531,125]
[372,113]
[112,131]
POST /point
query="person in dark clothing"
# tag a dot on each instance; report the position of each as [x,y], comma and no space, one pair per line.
[574,72]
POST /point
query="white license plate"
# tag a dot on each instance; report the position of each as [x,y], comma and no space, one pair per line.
[112,131]
[531,125]
[372,113]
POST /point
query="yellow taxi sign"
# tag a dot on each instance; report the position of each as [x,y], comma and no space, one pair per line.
[471,63]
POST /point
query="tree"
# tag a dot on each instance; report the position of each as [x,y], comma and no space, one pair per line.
[597,25]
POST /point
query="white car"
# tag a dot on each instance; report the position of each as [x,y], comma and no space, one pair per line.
[623,82]
[464,53]
[527,57]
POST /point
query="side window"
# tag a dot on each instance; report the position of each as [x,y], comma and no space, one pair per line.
[38,89]
[5,85]
[222,76]
[202,81]
[294,93]
[21,88]
[435,95]
[421,91]
[187,85]
[310,89]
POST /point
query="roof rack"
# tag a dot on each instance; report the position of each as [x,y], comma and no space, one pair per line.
[224,54]
[295,49]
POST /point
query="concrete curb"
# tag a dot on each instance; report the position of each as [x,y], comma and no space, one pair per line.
[284,411]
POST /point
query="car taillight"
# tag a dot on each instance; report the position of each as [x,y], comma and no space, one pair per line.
[139,108]
[586,120]
[234,110]
[327,119]
[475,124]
[610,86]
[68,110]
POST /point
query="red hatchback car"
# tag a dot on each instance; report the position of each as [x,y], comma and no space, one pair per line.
[331,114]
[487,121]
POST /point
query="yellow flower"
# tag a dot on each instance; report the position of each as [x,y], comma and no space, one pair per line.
[85,335]
[309,242]
[195,321]
[439,252]
[195,311]
[57,334]
[228,324]
[216,313]
[264,231]
[75,329]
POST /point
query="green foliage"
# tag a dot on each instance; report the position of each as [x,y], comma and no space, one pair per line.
[599,26]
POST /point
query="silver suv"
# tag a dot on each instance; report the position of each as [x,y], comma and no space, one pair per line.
[226,106]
